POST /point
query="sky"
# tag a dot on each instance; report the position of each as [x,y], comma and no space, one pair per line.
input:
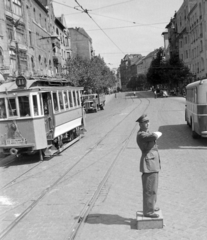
[120,27]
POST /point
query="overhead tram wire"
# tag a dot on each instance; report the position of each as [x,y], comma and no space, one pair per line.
[137,25]
[91,9]
[65,5]
[86,11]
[113,5]
[113,18]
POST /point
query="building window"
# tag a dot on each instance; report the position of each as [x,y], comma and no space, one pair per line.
[8,5]
[10,33]
[201,46]
[34,14]
[17,7]
[32,63]
[30,38]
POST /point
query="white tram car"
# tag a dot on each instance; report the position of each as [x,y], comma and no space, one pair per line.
[39,115]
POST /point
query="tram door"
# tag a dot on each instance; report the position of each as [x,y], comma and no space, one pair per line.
[48,113]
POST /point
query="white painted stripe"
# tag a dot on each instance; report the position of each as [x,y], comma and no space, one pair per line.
[67,127]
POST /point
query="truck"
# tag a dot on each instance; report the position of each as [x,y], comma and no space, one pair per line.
[94,102]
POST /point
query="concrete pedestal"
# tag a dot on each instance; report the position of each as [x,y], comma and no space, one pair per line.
[149,223]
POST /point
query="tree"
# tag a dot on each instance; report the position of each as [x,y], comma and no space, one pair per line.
[137,82]
[171,73]
[91,74]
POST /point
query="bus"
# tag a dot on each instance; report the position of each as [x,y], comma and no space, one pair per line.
[196,108]
[39,114]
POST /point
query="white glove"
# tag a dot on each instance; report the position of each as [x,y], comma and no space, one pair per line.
[159,134]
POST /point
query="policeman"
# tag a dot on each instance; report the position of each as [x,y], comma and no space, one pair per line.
[149,166]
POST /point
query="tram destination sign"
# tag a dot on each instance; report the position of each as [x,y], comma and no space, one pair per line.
[21,82]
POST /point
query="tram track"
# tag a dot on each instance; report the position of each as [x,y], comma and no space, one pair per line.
[88,207]
[15,180]
[13,224]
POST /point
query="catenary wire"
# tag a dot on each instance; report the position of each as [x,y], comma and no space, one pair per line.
[86,11]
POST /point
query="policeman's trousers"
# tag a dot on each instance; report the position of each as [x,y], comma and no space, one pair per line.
[150,187]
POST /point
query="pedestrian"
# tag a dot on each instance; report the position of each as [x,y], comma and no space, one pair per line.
[134,94]
[149,166]
[155,93]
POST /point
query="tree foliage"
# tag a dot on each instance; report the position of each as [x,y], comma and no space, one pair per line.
[170,73]
[137,82]
[91,74]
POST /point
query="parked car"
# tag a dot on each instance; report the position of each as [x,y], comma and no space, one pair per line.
[162,93]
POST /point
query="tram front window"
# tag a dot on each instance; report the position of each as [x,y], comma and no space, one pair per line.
[35,105]
[61,100]
[74,98]
[24,107]
[55,101]
[12,107]
[2,108]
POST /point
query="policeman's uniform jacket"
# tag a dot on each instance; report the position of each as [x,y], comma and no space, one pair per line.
[150,159]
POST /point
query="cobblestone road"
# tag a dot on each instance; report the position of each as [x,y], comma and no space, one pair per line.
[182,184]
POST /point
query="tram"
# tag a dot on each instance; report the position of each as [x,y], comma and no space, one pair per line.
[39,114]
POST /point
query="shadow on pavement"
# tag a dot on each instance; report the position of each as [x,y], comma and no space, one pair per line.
[179,137]
[10,160]
[111,219]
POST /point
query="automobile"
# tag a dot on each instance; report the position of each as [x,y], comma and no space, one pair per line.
[162,93]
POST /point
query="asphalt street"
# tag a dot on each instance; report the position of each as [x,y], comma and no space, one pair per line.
[42,200]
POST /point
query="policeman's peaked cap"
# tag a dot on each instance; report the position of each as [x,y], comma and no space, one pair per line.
[143,118]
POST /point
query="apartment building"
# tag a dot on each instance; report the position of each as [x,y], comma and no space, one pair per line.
[128,68]
[33,42]
[190,36]
[13,40]
[81,43]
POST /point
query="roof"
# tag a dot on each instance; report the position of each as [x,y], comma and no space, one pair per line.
[40,83]
[81,31]
[197,83]
[152,54]
[139,60]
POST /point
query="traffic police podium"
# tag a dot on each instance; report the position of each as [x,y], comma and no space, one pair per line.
[147,222]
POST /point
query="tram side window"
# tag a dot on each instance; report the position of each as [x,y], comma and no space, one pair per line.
[66,99]
[35,106]
[78,97]
[55,102]
[70,99]
[2,108]
[12,107]
[74,98]
[24,107]
[61,100]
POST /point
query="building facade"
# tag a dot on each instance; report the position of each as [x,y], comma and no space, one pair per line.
[81,43]
[128,68]
[33,42]
[190,36]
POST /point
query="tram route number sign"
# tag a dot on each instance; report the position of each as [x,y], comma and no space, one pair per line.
[21,82]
